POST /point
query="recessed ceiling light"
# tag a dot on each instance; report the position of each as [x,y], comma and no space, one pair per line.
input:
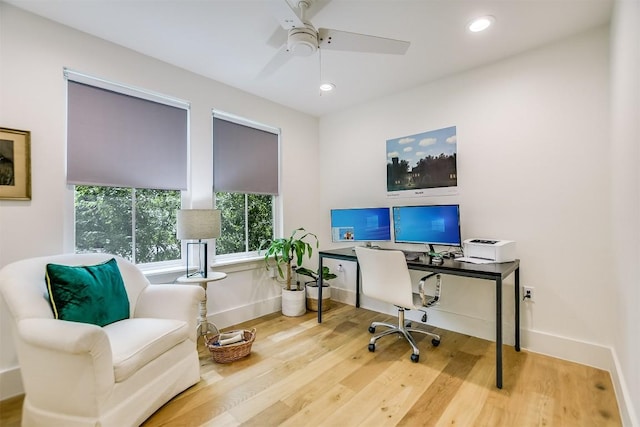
[481,24]
[327,87]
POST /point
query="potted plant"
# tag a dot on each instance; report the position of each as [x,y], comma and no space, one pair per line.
[312,287]
[286,251]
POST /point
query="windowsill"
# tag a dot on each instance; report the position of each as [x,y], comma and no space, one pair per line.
[230,265]
[160,270]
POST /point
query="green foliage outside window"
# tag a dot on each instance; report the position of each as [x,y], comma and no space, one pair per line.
[104,222]
[156,221]
[247,220]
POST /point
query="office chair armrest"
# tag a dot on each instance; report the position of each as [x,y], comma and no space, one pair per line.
[428,300]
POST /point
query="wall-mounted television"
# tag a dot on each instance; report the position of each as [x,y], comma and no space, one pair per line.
[361,225]
[427,224]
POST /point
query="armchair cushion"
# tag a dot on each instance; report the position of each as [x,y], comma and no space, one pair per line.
[87,294]
[152,338]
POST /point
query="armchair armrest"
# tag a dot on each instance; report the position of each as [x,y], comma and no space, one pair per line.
[63,336]
[170,302]
[58,356]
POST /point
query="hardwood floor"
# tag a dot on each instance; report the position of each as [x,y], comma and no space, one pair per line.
[301,373]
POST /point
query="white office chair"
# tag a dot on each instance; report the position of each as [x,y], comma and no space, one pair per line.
[385,277]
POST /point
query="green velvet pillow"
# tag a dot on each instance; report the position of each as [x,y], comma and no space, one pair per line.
[88,294]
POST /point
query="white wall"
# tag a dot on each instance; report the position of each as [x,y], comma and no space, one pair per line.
[33,52]
[625,199]
[533,166]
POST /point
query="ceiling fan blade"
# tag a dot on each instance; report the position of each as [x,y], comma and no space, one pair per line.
[286,15]
[278,38]
[343,40]
[279,59]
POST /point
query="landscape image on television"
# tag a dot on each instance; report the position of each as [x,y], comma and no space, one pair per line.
[424,160]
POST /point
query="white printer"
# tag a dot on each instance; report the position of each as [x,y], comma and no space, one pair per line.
[490,249]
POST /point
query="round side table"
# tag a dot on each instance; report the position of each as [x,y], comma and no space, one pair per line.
[204,326]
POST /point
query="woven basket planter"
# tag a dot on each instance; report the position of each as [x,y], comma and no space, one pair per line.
[312,298]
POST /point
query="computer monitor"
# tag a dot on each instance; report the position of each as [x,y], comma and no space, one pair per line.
[427,224]
[361,225]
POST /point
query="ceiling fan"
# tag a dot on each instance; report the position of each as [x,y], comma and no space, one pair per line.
[298,37]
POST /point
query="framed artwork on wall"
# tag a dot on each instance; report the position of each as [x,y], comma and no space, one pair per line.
[15,164]
[424,164]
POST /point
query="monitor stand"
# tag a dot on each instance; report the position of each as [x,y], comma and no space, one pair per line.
[432,254]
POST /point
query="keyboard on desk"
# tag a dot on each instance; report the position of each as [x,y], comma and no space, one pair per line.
[412,256]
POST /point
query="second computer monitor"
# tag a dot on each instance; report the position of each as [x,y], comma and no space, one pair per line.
[361,225]
[427,224]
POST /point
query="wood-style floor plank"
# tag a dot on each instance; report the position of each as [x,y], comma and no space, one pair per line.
[301,373]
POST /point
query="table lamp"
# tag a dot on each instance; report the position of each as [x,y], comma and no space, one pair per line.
[198,224]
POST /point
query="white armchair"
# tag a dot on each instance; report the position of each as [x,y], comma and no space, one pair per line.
[80,374]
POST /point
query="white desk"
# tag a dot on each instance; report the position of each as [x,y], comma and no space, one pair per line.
[204,326]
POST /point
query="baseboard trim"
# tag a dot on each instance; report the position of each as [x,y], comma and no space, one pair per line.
[561,347]
[11,383]
[627,410]
[233,316]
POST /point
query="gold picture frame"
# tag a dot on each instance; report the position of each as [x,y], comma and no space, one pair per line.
[15,164]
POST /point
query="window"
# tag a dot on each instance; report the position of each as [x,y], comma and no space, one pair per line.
[247,220]
[127,157]
[245,182]
[136,224]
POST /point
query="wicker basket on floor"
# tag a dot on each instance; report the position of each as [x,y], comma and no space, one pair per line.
[231,352]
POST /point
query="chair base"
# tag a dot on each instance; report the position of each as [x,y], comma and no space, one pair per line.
[403,328]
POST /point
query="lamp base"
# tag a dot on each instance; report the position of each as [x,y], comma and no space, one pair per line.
[202,259]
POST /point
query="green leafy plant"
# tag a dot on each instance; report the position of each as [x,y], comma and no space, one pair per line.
[326,274]
[285,251]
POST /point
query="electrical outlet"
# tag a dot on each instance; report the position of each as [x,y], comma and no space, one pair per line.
[527,293]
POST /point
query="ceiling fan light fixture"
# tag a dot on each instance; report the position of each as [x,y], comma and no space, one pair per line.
[327,87]
[481,23]
[302,41]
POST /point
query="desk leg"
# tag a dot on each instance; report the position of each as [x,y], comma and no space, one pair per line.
[499,332]
[517,320]
[357,284]
[320,290]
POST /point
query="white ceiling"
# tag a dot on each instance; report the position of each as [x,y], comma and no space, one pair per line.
[226,40]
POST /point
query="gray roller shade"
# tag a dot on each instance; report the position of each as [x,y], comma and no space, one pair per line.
[119,140]
[245,159]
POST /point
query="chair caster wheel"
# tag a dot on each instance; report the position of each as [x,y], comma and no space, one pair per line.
[372,329]
[372,348]
[415,358]
[435,342]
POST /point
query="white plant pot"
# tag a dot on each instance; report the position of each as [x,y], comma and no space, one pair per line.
[294,303]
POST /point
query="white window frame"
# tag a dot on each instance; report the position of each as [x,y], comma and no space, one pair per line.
[277,210]
[69,235]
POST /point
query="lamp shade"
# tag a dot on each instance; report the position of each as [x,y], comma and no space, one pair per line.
[198,224]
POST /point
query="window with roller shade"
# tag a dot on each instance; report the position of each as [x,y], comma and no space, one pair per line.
[127,158]
[245,183]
